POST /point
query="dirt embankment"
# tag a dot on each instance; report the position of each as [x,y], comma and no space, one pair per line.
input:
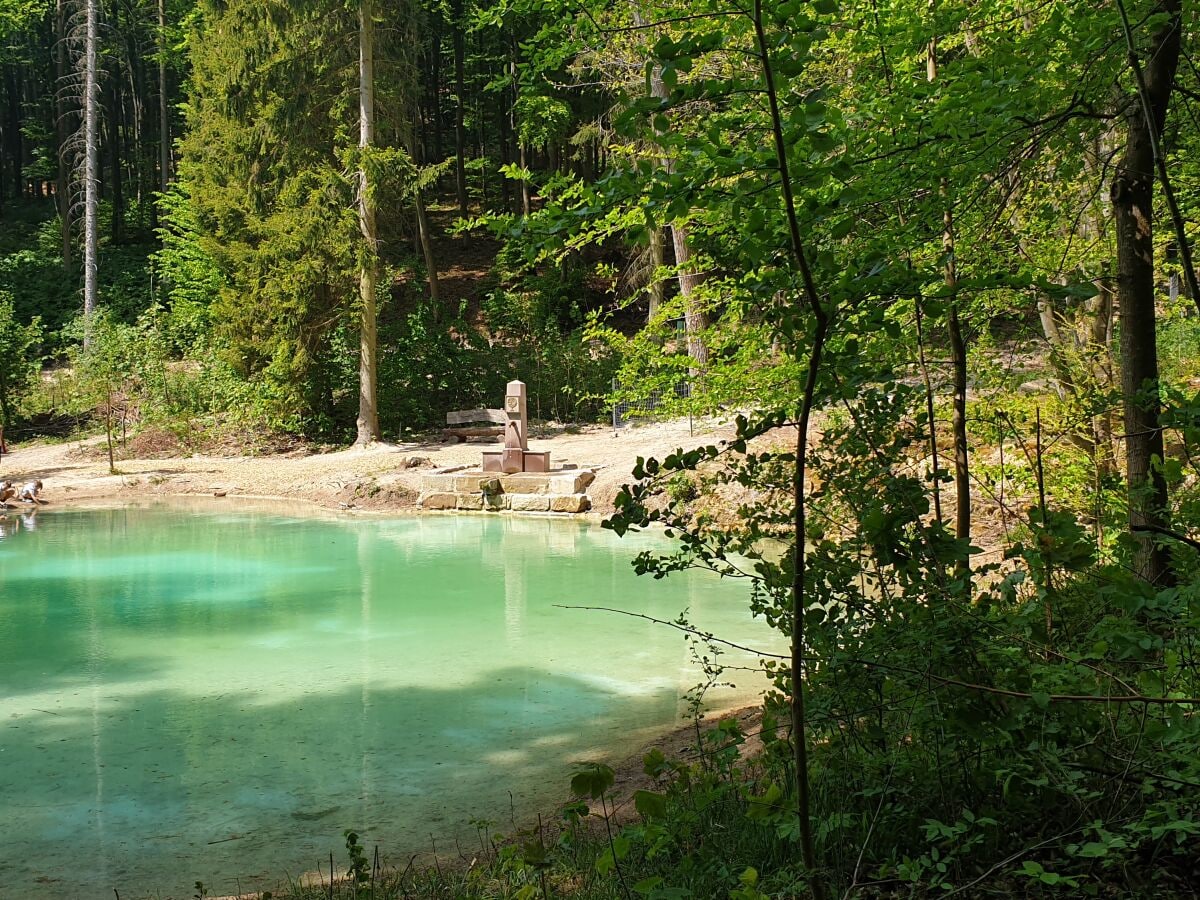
[380,478]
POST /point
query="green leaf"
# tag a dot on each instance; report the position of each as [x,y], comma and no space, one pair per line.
[650,805]
[620,846]
[647,885]
[592,780]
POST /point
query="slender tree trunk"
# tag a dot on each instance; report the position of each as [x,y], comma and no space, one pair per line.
[654,288]
[3,168]
[136,96]
[435,100]
[694,318]
[1133,208]
[13,136]
[958,360]
[113,146]
[62,186]
[427,252]
[799,585]
[481,138]
[164,107]
[1099,350]
[368,414]
[930,412]
[502,116]
[962,467]
[108,431]
[526,199]
[460,90]
[91,116]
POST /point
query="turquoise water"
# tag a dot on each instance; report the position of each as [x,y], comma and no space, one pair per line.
[189,695]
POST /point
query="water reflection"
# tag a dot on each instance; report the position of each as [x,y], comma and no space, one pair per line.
[11,522]
[184,698]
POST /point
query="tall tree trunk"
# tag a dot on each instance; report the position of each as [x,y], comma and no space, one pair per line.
[654,288]
[799,587]
[91,125]
[13,136]
[164,107]
[694,318]
[958,359]
[502,116]
[368,413]
[460,89]
[435,79]
[526,199]
[136,96]
[1133,209]
[427,252]
[3,151]
[113,146]
[62,187]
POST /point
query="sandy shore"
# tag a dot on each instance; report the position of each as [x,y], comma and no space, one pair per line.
[380,478]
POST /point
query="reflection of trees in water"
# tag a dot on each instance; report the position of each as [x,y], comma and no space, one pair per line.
[281,681]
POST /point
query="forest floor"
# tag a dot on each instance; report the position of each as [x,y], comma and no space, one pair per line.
[382,478]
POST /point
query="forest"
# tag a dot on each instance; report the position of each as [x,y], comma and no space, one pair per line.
[933,258]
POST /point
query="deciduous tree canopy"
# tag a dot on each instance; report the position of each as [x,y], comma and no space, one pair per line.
[944,249]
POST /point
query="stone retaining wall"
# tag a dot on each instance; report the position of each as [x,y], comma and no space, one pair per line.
[563,491]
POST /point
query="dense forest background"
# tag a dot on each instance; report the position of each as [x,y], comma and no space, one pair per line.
[952,238]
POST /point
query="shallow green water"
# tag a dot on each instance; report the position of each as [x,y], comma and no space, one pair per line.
[211,696]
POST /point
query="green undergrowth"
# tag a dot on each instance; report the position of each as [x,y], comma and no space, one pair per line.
[723,826]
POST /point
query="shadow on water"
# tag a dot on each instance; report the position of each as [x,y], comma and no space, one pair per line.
[153,794]
[216,697]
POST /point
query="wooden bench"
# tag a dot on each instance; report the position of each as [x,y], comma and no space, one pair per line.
[467,423]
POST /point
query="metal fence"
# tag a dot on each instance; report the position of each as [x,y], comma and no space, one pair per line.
[621,409]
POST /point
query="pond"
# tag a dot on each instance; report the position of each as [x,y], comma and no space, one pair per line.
[217,696]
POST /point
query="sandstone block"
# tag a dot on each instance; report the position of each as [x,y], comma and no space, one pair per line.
[570,503]
[571,482]
[525,483]
[434,482]
[470,501]
[437,500]
[529,502]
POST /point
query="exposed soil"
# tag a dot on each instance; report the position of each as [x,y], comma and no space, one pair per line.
[381,478]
